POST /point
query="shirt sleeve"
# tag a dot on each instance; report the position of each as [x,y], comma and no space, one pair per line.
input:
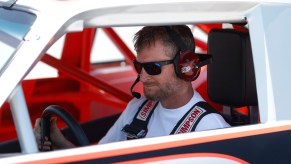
[115,133]
[211,121]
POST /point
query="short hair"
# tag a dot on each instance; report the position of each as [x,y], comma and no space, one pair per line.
[149,34]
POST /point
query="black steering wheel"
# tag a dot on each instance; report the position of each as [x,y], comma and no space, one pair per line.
[67,118]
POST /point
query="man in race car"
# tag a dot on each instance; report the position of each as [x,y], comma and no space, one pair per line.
[166,64]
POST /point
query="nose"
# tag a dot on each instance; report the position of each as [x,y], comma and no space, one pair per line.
[144,76]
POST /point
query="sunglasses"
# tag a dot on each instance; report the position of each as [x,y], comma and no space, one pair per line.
[152,68]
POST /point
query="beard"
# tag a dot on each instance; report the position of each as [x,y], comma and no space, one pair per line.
[160,91]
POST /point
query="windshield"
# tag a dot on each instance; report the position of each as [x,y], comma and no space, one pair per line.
[14,25]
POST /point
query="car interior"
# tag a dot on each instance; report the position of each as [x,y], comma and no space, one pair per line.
[230,84]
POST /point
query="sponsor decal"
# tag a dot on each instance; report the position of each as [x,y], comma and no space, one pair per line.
[145,111]
[190,119]
[185,69]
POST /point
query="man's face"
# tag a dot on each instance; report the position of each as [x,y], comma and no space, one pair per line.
[158,87]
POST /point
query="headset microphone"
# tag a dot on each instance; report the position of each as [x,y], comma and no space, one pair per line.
[135,94]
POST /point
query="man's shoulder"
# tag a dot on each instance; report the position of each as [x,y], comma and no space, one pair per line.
[134,104]
[215,120]
[136,101]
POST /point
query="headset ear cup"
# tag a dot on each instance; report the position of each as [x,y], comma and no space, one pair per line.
[186,65]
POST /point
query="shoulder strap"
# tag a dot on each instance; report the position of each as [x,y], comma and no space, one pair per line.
[188,123]
[138,126]
[190,120]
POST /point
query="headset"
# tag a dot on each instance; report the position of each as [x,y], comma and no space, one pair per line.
[187,63]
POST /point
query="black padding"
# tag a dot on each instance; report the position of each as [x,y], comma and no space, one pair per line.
[231,78]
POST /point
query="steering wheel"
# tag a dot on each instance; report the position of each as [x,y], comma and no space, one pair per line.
[67,118]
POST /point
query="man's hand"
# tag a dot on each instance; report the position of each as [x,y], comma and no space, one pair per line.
[58,141]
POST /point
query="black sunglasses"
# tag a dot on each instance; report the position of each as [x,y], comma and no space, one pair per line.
[152,68]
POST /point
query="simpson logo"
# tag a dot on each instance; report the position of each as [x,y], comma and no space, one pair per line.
[190,119]
[145,111]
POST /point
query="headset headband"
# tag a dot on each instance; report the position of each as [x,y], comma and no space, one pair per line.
[176,38]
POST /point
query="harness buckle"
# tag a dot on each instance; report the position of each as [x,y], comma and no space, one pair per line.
[133,132]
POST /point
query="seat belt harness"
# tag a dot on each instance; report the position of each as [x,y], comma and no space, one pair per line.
[138,127]
[188,123]
[190,120]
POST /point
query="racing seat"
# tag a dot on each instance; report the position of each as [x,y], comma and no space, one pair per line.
[231,77]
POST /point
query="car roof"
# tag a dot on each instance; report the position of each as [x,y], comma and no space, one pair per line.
[128,13]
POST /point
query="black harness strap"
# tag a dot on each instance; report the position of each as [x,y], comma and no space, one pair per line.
[190,120]
[188,123]
[138,126]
